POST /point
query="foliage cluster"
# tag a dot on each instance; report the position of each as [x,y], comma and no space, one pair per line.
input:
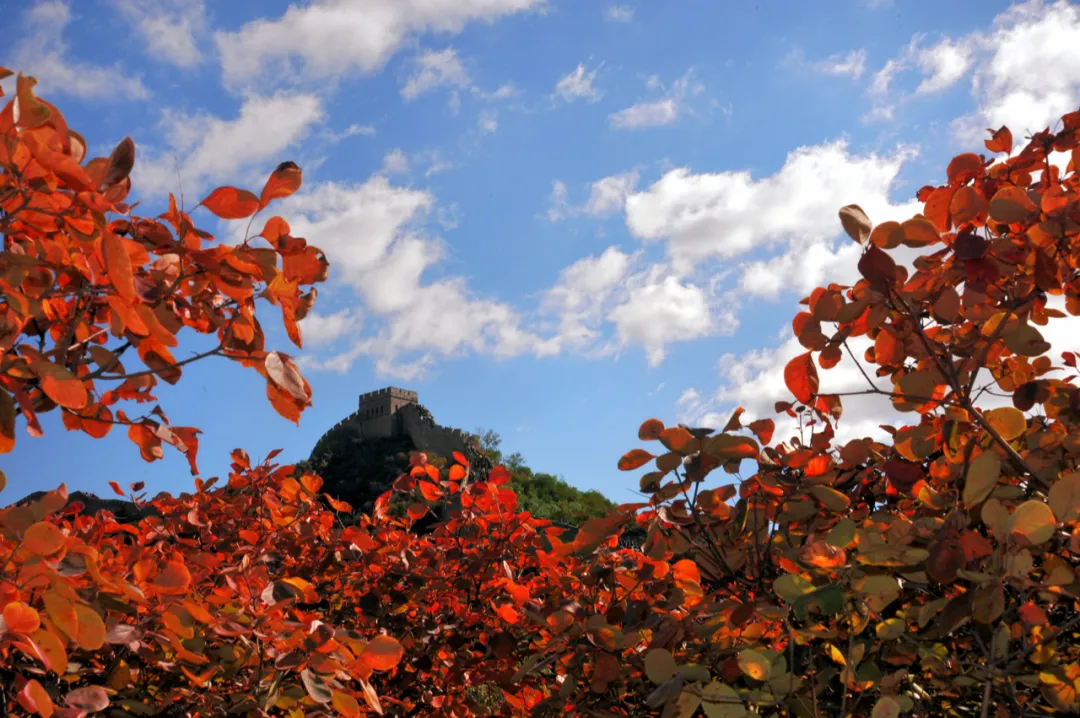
[544,495]
[931,573]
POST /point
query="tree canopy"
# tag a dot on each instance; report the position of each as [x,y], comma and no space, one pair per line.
[929,570]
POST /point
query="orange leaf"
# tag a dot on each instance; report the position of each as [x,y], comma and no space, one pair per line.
[430,491]
[118,266]
[650,430]
[30,111]
[21,618]
[801,377]
[634,459]
[457,472]
[44,538]
[1001,140]
[345,704]
[7,422]
[964,167]
[91,632]
[507,613]
[61,385]
[49,650]
[382,653]
[116,488]
[35,699]
[173,579]
[231,203]
[284,180]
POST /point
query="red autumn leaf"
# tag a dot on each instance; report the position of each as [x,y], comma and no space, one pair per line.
[173,579]
[231,203]
[35,699]
[1001,140]
[964,167]
[44,538]
[634,459]
[430,491]
[800,376]
[19,617]
[382,653]
[650,430]
[61,385]
[763,429]
[283,181]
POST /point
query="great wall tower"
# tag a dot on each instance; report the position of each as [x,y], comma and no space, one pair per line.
[361,455]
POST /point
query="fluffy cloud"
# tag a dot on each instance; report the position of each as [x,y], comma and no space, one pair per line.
[42,52]
[853,64]
[606,195]
[1032,75]
[620,13]
[332,37]
[432,69]
[583,295]
[211,149]
[942,64]
[373,235]
[322,329]
[395,162]
[578,83]
[643,115]
[168,27]
[1008,64]
[658,112]
[727,214]
[660,309]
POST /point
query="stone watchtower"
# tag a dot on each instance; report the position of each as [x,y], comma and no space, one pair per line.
[379,415]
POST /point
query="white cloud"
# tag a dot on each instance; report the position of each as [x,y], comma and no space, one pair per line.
[558,202]
[645,114]
[334,37]
[373,237]
[943,64]
[578,83]
[211,149]
[395,162]
[660,112]
[434,68]
[322,329]
[853,64]
[489,121]
[606,195]
[609,194]
[42,53]
[1032,75]
[350,131]
[584,294]
[503,92]
[620,13]
[168,27]
[727,214]
[660,309]
[1025,70]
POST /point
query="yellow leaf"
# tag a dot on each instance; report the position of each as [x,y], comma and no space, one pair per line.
[1034,521]
[1064,497]
[754,664]
[982,477]
[1007,421]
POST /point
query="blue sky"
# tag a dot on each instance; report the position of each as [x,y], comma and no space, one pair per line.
[550,218]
